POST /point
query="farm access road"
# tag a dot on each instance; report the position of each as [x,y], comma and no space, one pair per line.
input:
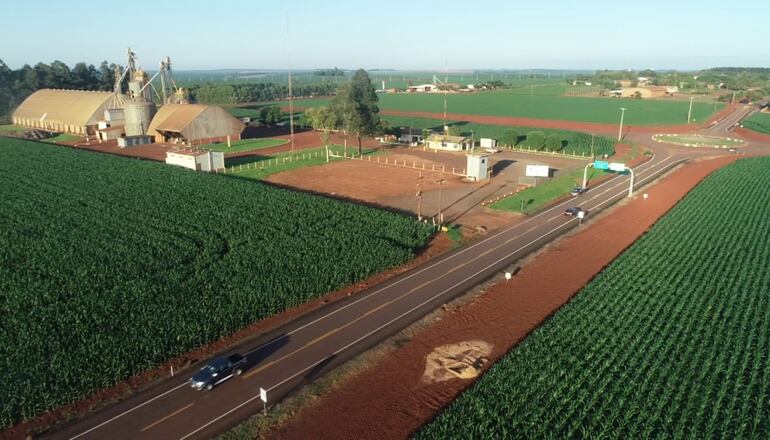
[296,354]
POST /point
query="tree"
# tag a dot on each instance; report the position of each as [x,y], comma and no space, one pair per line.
[356,107]
[637,95]
[271,115]
[453,130]
[536,139]
[510,138]
[425,134]
[84,77]
[322,119]
[553,142]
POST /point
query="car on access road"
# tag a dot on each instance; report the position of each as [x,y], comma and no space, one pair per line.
[217,371]
[573,211]
[578,190]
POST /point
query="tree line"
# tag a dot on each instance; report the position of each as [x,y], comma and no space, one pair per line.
[17,85]
[255,92]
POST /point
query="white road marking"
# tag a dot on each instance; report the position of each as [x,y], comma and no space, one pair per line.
[218,418]
[128,411]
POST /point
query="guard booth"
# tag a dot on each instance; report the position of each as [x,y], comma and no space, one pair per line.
[477,167]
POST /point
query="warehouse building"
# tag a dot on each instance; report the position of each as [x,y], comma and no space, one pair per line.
[67,111]
[181,123]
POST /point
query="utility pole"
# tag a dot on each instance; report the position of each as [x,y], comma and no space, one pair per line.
[440,214]
[419,196]
[689,112]
[291,103]
[622,114]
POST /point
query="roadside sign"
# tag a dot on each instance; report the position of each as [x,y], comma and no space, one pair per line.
[601,165]
[619,167]
[263,394]
[581,214]
[538,171]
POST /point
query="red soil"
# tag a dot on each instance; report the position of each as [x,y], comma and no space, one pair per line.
[151,152]
[308,139]
[590,127]
[752,135]
[390,401]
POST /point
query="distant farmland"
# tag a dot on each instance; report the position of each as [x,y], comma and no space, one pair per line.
[110,266]
[514,103]
[670,341]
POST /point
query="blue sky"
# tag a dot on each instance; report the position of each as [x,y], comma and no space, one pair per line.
[551,34]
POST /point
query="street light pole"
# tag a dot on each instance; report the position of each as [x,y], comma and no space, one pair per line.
[440,214]
[620,130]
[689,112]
[419,197]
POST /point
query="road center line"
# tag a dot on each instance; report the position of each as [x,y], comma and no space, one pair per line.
[163,419]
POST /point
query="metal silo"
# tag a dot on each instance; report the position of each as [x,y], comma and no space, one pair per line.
[138,114]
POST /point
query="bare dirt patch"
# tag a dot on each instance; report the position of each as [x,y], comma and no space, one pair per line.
[392,401]
[463,360]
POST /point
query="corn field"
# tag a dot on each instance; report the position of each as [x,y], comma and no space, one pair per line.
[670,341]
[110,266]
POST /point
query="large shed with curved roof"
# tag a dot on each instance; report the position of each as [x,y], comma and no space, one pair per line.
[198,122]
[69,111]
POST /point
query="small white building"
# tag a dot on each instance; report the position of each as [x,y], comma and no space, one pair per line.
[449,143]
[422,88]
[489,144]
[411,136]
[478,167]
[197,160]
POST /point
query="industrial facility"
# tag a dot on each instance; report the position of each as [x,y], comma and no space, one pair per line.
[130,118]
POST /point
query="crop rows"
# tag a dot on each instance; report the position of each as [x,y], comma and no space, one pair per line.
[568,108]
[670,341]
[110,266]
[759,122]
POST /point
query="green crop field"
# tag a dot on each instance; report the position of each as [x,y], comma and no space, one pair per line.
[670,341]
[110,266]
[758,122]
[572,142]
[245,145]
[10,129]
[515,104]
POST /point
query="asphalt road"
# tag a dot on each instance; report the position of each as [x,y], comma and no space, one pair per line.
[300,352]
[725,125]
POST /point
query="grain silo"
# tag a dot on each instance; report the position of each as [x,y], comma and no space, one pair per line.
[138,110]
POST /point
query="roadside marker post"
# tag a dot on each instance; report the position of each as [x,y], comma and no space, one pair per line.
[508,276]
[263,396]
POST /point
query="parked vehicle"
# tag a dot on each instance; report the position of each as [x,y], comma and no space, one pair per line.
[573,212]
[576,191]
[217,371]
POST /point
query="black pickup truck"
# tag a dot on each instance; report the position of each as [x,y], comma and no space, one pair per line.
[217,371]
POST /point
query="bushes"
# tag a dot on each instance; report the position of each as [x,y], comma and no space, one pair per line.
[553,142]
[535,139]
[510,138]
